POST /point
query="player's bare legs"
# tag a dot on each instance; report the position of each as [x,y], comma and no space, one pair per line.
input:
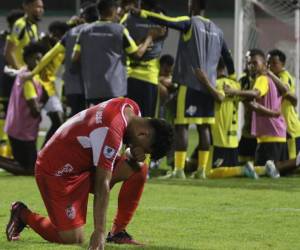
[288,166]
[181,145]
[203,150]
[74,236]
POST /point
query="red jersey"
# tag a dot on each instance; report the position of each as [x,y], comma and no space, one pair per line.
[92,137]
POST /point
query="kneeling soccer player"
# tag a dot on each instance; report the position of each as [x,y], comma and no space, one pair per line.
[80,158]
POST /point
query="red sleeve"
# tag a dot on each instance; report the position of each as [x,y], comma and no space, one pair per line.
[105,146]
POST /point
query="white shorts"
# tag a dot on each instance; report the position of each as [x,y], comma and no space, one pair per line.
[53,105]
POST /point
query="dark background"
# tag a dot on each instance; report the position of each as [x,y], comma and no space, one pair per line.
[173,7]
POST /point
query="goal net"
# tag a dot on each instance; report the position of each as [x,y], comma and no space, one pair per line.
[269,24]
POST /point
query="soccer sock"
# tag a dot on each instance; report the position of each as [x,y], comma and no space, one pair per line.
[129,197]
[298,160]
[223,172]
[203,157]
[41,225]
[180,157]
[260,170]
[3,139]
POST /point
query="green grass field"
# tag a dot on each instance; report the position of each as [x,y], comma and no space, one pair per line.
[204,214]
[223,214]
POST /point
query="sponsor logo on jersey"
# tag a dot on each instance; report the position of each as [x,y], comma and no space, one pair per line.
[70,212]
[109,152]
[99,116]
[68,168]
[191,110]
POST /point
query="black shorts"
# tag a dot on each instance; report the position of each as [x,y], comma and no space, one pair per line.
[194,107]
[6,85]
[228,155]
[275,151]
[144,94]
[24,152]
[247,147]
[76,102]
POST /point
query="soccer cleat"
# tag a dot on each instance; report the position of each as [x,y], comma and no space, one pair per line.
[249,171]
[122,238]
[176,174]
[15,225]
[199,174]
[271,170]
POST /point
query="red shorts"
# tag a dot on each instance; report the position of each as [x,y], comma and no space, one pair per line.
[66,197]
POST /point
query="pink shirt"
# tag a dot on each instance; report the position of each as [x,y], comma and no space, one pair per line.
[269,126]
[20,124]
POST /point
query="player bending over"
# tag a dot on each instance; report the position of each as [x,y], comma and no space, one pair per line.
[82,157]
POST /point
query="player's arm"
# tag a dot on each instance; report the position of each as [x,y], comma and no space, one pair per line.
[12,42]
[77,50]
[201,76]
[101,199]
[32,99]
[262,110]
[181,23]
[284,82]
[227,57]
[134,50]
[9,53]
[48,57]
[260,88]
[166,81]
[292,98]
[281,86]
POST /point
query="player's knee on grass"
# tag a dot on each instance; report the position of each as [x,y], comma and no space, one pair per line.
[74,236]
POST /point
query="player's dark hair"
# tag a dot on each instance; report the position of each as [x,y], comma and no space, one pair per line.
[89,11]
[104,6]
[150,5]
[58,26]
[32,48]
[127,2]
[163,138]
[167,59]
[279,53]
[28,1]
[221,64]
[257,52]
[13,16]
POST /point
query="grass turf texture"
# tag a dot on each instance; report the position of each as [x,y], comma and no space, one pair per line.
[210,214]
[192,214]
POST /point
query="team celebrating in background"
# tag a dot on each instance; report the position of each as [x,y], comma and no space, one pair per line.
[112,117]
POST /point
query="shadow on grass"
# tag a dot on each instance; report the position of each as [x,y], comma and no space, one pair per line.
[287,184]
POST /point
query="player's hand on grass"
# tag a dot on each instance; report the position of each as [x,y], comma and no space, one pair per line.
[97,241]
